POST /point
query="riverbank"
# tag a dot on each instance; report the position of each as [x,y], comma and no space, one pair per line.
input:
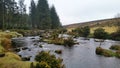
[10,59]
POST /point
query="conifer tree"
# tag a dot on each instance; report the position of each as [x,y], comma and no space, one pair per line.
[54,18]
[43,12]
[33,14]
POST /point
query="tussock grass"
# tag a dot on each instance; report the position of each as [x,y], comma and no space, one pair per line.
[9,35]
[5,39]
[5,43]
[1,49]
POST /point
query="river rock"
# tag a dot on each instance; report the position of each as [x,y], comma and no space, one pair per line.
[58,51]
[40,46]
[17,50]
[24,48]
[2,54]
[33,38]
[26,58]
[99,40]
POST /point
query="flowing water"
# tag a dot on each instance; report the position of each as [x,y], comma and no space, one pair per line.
[81,55]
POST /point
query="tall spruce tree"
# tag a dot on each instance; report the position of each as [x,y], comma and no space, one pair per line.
[54,18]
[33,14]
[43,12]
[1,13]
[12,14]
[22,13]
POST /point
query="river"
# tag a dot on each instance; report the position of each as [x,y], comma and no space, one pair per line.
[81,55]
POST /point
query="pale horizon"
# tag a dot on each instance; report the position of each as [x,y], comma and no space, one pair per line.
[77,11]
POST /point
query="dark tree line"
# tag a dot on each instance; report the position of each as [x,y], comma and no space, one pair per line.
[13,15]
[43,17]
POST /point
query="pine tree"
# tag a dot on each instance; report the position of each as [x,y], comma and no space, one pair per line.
[33,13]
[54,18]
[1,13]
[43,15]
[22,13]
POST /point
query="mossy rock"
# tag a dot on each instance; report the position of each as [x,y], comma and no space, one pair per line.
[26,58]
[104,52]
[24,48]
[2,54]
[40,46]
[58,51]
[17,50]
[99,50]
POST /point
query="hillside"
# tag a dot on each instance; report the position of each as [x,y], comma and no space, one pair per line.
[104,22]
[108,24]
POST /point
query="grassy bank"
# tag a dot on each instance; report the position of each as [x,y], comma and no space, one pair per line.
[10,60]
[109,53]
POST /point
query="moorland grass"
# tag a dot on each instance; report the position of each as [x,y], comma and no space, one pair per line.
[12,60]
[107,29]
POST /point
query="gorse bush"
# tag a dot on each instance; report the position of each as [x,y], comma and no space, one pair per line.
[69,42]
[116,35]
[100,34]
[48,60]
[83,31]
[42,65]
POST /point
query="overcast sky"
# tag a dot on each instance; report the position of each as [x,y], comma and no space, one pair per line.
[76,11]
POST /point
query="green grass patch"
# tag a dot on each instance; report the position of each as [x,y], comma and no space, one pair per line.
[104,52]
[115,47]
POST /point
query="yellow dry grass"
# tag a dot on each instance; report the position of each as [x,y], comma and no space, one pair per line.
[70,29]
[12,60]
[107,29]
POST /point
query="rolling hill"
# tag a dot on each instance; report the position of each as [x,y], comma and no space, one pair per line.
[108,24]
